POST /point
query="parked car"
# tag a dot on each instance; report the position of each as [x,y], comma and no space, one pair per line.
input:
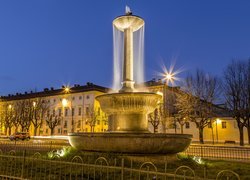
[20,135]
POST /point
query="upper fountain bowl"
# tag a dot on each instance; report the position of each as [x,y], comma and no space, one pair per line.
[128,21]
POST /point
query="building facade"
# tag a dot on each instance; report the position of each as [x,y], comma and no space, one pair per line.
[75,108]
[222,129]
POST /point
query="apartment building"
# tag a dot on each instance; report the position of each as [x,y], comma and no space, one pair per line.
[75,107]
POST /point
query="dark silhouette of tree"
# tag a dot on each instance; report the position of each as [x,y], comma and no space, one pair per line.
[196,103]
[7,117]
[39,109]
[155,118]
[237,93]
[53,121]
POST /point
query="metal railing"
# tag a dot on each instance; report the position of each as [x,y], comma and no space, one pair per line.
[219,152]
[37,167]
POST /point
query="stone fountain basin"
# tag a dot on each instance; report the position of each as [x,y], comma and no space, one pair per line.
[135,143]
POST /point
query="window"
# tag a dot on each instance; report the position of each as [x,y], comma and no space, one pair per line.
[87,111]
[87,97]
[73,98]
[73,111]
[224,125]
[48,101]
[59,131]
[98,122]
[65,131]
[80,97]
[65,124]
[54,100]
[187,124]
[79,124]
[60,112]
[66,112]
[79,111]
[47,130]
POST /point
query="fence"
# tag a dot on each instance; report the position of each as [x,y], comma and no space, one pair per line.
[219,152]
[32,146]
[37,167]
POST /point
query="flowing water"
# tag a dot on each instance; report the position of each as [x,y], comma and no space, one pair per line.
[118,57]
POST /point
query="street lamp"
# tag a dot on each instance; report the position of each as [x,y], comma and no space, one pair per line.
[67,89]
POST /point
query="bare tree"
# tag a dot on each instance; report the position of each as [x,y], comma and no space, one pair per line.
[155,119]
[40,107]
[184,109]
[53,121]
[92,117]
[24,113]
[7,116]
[196,104]
[237,93]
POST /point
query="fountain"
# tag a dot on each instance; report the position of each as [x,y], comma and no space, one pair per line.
[127,111]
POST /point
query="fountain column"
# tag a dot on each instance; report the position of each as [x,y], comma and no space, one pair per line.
[128,83]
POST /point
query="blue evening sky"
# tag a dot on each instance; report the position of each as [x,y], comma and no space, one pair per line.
[48,43]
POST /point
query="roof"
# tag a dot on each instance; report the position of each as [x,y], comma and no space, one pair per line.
[54,92]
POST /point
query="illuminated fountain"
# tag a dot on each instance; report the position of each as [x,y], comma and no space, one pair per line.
[127,110]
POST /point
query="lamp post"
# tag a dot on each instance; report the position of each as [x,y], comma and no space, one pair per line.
[170,78]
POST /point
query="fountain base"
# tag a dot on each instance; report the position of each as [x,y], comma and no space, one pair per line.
[131,143]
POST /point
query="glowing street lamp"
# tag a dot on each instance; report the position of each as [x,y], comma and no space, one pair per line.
[34,104]
[64,102]
[66,89]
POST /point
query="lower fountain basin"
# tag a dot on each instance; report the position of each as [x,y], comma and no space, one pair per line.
[136,143]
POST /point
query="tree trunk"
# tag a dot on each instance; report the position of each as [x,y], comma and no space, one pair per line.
[51,131]
[241,131]
[35,130]
[155,129]
[182,128]
[201,135]
[9,131]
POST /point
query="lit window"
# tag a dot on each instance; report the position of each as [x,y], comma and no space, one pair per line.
[224,125]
